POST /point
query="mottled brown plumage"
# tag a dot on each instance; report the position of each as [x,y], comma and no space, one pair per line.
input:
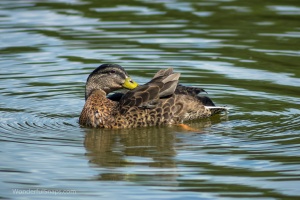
[160,101]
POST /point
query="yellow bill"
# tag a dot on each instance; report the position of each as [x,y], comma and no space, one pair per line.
[130,84]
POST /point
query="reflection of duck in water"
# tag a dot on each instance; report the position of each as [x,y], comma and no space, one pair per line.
[137,155]
[108,148]
[160,101]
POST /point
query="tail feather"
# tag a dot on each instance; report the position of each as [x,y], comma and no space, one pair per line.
[217,109]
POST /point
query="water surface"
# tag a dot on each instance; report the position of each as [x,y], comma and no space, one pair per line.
[245,54]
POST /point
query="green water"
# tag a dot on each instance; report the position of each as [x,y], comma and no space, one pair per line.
[245,54]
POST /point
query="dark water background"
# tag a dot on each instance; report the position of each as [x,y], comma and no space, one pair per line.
[245,54]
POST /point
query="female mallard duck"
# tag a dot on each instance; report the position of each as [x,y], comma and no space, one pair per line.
[160,101]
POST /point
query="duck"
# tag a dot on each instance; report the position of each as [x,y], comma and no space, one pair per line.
[161,101]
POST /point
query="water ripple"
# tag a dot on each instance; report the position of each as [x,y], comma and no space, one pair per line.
[31,129]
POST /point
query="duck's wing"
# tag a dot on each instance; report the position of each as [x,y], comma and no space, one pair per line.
[206,101]
[194,91]
[146,96]
[163,72]
[115,96]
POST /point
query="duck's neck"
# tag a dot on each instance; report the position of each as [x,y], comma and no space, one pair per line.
[92,86]
[89,91]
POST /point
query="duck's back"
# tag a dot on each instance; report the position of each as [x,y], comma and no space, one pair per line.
[163,101]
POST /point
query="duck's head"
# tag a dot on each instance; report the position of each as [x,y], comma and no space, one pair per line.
[108,77]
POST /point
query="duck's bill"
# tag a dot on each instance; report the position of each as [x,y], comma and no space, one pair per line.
[130,84]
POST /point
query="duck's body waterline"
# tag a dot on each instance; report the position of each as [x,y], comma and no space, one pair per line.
[160,101]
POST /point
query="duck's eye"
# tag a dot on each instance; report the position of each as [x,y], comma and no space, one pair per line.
[112,71]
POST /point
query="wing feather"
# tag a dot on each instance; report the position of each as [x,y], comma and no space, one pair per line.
[163,84]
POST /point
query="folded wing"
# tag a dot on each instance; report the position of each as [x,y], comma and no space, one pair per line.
[162,85]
